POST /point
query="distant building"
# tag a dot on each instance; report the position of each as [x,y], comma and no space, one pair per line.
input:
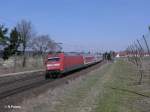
[121,54]
[126,54]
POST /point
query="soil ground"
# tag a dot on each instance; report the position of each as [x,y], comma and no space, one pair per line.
[111,88]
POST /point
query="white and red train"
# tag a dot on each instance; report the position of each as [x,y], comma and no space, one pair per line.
[59,63]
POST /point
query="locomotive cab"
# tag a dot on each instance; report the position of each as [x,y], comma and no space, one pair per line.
[53,65]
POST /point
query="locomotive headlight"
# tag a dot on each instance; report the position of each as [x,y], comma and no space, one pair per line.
[50,65]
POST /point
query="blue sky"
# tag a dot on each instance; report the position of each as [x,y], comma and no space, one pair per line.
[82,25]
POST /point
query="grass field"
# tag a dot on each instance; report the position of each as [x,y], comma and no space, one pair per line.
[111,88]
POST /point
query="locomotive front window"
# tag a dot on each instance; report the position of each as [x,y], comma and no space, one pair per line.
[55,59]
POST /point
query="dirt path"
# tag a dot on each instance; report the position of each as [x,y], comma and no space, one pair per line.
[79,95]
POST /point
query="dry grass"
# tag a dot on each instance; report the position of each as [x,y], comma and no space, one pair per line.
[78,95]
[111,88]
[33,63]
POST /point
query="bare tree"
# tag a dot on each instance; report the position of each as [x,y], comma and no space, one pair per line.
[25,32]
[136,53]
[42,44]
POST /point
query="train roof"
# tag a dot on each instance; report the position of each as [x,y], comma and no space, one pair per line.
[72,53]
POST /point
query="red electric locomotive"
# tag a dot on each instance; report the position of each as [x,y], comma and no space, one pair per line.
[59,63]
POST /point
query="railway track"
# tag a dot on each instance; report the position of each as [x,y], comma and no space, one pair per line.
[17,85]
[10,92]
[19,79]
[16,90]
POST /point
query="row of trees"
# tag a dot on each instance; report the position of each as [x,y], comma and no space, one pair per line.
[23,39]
[137,51]
[109,55]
